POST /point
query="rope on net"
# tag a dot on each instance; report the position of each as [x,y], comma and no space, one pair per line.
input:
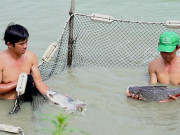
[112,43]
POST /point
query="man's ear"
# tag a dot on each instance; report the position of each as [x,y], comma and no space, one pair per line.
[178,47]
[9,45]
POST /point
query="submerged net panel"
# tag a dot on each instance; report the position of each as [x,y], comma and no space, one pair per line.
[119,44]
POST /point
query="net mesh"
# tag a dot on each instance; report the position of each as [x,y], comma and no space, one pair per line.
[95,44]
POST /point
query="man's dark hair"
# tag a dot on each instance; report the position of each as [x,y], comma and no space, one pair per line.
[14,33]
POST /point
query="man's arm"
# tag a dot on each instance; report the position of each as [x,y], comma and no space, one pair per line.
[153,79]
[41,86]
[152,73]
[4,88]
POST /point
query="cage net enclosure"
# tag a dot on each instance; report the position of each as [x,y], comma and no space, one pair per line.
[105,43]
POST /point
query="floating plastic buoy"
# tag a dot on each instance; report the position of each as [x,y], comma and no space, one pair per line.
[11,129]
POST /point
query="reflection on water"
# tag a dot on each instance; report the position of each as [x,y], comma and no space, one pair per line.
[109,111]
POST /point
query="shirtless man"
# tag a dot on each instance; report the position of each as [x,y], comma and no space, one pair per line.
[166,68]
[16,60]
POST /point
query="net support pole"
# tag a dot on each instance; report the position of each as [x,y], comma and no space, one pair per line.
[70,40]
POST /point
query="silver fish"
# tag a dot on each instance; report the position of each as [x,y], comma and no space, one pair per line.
[65,102]
[153,93]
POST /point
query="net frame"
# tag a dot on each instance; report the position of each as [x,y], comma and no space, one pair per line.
[119,44]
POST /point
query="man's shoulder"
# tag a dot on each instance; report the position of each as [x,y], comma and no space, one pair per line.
[155,63]
[30,53]
[3,59]
[178,57]
[156,60]
[3,54]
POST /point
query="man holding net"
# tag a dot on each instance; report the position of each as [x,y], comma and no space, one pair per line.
[17,62]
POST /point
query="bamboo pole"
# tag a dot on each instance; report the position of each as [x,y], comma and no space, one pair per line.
[71,26]
[72,9]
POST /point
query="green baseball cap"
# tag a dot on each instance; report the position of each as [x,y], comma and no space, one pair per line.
[168,41]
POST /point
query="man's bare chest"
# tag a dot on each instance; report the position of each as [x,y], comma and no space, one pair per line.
[12,69]
[170,76]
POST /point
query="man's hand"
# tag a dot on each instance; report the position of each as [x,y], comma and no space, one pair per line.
[130,95]
[171,98]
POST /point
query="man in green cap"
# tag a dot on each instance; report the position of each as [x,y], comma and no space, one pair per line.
[166,68]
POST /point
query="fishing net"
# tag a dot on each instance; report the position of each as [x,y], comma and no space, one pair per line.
[31,94]
[121,43]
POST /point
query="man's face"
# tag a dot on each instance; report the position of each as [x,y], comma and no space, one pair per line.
[168,56]
[21,46]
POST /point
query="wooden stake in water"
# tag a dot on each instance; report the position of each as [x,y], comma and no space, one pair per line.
[71,26]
